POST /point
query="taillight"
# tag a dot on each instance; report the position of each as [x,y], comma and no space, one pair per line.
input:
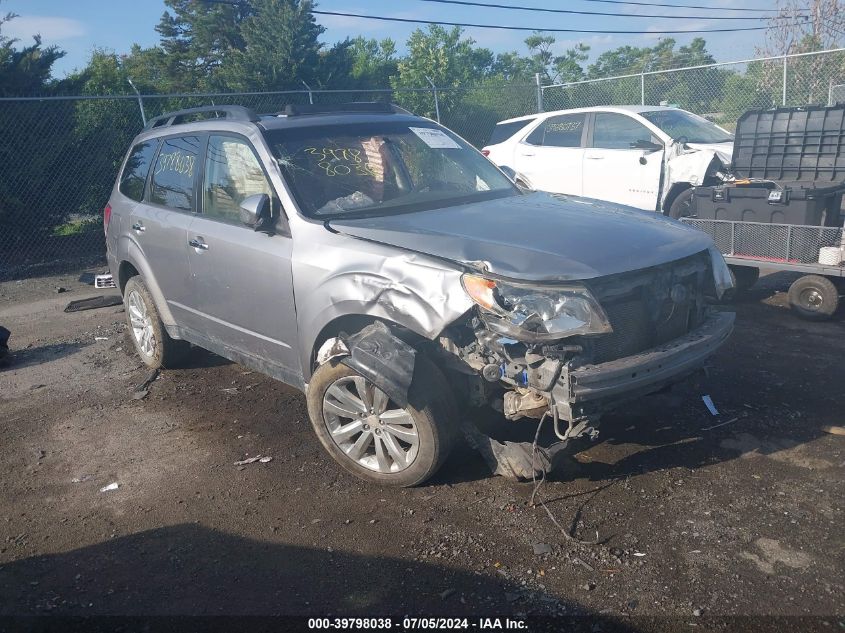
[486,152]
[106,218]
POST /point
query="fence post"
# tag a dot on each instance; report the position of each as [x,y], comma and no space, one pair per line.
[642,88]
[310,94]
[539,92]
[140,102]
[785,58]
[436,100]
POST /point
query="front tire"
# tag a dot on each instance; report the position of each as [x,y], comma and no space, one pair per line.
[152,342]
[681,206]
[371,436]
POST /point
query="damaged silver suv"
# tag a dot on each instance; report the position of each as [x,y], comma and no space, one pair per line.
[378,262]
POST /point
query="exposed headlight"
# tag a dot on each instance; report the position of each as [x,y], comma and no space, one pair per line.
[722,278]
[535,314]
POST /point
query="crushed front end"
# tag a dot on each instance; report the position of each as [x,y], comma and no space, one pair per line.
[572,351]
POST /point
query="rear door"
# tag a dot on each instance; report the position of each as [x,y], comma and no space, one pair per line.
[551,157]
[159,224]
[616,171]
[242,285]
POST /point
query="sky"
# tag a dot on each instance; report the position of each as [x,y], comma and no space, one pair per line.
[79,26]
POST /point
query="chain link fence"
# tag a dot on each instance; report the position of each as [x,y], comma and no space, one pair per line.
[60,155]
[721,92]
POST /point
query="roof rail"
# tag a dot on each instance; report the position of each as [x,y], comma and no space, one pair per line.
[232,112]
[376,107]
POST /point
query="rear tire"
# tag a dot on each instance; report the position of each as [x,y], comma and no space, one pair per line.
[814,297]
[152,342]
[425,431]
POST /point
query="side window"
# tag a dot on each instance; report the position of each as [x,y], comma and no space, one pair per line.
[134,176]
[617,131]
[232,173]
[173,174]
[559,131]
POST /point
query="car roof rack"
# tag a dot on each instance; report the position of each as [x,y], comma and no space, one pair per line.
[231,112]
[362,107]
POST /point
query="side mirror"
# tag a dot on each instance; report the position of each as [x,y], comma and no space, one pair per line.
[647,146]
[257,212]
[511,174]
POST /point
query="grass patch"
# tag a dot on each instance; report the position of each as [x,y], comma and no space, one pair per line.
[75,227]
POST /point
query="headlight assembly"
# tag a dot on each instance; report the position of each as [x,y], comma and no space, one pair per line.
[535,314]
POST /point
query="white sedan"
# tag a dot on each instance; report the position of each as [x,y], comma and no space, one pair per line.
[648,157]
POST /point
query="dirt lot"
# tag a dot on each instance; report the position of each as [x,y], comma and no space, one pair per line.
[741,519]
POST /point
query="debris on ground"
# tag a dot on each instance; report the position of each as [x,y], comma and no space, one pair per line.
[81,479]
[542,548]
[448,593]
[60,290]
[112,486]
[716,426]
[101,338]
[834,430]
[252,460]
[708,402]
[142,390]
[92,303]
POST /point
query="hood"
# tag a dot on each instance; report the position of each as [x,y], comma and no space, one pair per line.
[723,151]
[536,237]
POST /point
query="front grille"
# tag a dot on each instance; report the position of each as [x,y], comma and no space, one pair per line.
[642,312]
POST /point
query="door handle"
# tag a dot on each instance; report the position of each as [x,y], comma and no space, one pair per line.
[526,154]
[594,157]
[138,227]
[198,243]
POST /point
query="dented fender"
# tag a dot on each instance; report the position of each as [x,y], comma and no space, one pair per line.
[690,165]
[344,276]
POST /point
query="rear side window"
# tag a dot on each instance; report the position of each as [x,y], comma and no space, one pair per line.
[617,131]
[503,131]
[137,167]
[559,131]
[173,174]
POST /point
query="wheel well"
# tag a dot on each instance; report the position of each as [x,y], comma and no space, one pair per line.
[350,324]
[124,273]
[674,191]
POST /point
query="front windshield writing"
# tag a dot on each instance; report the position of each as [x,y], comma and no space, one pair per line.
[679,124]
[382,168]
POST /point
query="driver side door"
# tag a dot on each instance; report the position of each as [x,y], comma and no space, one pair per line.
[616,171]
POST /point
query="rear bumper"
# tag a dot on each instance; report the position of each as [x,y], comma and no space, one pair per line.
[590,389]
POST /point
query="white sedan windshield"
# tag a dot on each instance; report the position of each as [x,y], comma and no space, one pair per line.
[680,124]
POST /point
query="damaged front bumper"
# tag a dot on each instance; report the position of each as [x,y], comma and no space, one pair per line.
[584,392]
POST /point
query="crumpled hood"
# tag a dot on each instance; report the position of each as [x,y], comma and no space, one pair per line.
[536,237]
[723,151]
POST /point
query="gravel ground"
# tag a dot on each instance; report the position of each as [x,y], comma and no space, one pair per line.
[697,515]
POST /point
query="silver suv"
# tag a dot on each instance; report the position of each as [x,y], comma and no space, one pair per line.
[376,261]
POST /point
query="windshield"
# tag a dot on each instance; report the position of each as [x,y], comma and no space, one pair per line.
[382,168]
[695,129]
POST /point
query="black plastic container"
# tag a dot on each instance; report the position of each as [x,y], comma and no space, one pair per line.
[800,152]
[794,203]
[791,144]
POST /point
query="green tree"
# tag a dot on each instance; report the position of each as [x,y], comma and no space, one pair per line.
[280,48]
[373,62]
[447,59]
[196,38]
[25,71]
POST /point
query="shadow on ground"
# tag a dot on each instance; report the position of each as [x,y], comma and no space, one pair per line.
[191,570]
